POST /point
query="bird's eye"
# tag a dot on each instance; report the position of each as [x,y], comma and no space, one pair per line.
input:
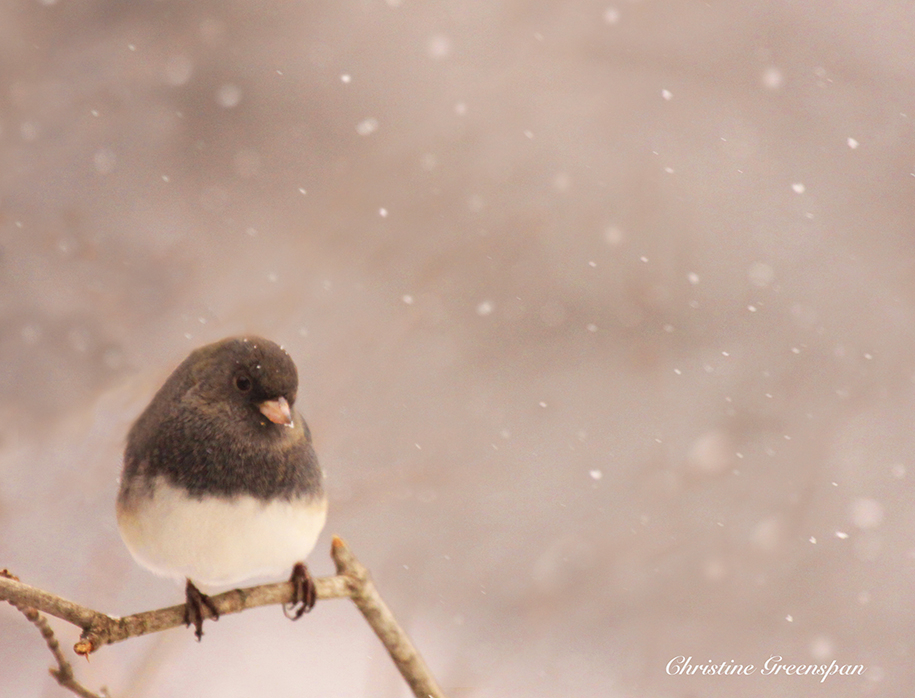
[243,383]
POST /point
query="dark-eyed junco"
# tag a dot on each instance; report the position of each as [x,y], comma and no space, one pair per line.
[220,481]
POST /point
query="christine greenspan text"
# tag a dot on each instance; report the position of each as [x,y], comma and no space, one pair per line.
[773,666]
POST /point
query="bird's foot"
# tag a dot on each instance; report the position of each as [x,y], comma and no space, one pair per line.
[195,601]
[304,593]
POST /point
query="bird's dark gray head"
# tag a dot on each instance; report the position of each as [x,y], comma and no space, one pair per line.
[244,369]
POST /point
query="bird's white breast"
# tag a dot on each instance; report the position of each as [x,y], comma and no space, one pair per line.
[218,541]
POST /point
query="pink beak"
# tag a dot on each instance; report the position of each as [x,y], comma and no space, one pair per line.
[277,411]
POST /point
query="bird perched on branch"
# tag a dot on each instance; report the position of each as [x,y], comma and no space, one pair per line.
[221,483]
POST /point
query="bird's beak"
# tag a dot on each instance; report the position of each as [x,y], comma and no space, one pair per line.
[277,411]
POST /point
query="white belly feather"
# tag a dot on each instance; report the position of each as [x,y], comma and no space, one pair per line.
[218,541]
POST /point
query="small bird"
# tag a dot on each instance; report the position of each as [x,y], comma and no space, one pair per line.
[221,483]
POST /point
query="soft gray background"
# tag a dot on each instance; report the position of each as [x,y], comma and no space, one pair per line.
[604,314]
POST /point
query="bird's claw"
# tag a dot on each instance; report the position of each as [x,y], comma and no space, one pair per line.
[304,593]
[195,601]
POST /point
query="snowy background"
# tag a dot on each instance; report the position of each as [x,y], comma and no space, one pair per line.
[604,315]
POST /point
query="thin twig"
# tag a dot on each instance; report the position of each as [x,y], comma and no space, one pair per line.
[63,674]
[351,581]
[379,616]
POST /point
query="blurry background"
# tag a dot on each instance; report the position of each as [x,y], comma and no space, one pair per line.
[603,313]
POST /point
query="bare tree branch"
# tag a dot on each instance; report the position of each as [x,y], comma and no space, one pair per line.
[100,629]
[351,581]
